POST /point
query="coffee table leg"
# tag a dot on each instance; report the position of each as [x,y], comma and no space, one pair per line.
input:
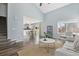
[48,48]
[54,45]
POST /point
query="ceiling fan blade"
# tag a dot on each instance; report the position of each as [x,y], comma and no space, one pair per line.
[40,4]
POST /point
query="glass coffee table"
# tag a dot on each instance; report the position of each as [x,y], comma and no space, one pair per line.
[48,42]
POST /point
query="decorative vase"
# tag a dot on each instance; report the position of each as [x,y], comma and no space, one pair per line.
[45,39]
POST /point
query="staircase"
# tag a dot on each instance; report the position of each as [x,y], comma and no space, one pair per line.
[7,46]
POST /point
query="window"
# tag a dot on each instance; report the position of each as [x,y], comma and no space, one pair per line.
[61,28]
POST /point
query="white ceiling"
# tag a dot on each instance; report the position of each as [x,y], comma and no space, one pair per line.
[45,8]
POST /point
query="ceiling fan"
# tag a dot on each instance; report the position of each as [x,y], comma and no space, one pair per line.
[43,3]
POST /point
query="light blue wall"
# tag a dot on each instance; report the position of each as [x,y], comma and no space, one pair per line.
[63,14]
[3,8]
[16,11]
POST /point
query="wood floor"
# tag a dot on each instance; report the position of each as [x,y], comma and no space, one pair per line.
[11,50]
[31,49]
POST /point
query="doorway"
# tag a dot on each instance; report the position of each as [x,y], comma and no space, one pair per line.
[3,21]
[3,26]
[31,29]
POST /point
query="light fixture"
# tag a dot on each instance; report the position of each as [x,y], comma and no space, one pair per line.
[43,3]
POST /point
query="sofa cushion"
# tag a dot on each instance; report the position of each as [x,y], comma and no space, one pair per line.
[76,43]
[73,45]
[68,44]
[71,39]
[65,52]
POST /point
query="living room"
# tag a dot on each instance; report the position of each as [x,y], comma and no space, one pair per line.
[43,29]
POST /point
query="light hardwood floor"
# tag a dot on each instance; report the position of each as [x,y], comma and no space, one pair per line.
[31,49]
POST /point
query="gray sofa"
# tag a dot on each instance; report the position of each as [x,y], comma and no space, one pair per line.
[67,50]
